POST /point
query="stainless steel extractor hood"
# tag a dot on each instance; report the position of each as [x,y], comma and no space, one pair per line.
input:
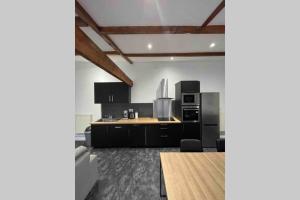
[162,105]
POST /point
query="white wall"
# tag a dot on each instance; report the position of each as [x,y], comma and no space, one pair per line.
[146,77]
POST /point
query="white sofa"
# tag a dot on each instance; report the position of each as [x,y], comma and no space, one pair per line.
[85,172]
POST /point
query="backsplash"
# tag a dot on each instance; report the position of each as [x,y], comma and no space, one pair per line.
[116,109]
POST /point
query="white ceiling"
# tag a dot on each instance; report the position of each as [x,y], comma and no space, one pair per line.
[97,39]
[164,43]
[156,12]
[149,12]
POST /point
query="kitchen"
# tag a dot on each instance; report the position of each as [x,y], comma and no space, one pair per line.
[145,92]
[155,125]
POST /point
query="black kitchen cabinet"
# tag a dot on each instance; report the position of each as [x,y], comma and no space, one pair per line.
[112,92]
[164,135]
[137,135]
[152,136]
[118,135]
[191,131]
[99,136]
[169,135]
[187,87]
[120,93]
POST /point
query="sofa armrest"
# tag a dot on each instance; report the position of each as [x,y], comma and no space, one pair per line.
[93,169]
[79,151]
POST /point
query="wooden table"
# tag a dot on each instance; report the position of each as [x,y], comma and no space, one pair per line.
[199,176]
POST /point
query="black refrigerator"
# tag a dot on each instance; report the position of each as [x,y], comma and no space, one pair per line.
[210,118]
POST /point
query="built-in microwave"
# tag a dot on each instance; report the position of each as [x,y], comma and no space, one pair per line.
[190,99]
[190,113]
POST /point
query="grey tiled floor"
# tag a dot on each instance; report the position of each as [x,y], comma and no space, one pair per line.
[128,173]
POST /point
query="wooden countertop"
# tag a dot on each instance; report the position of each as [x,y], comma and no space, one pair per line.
[194,176]
[141,120]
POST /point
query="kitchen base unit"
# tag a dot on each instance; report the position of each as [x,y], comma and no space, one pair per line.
[136,135]
[163,135]
[99,136]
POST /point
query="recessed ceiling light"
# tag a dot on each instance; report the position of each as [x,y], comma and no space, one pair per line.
[149,46]
[172,58]
[212,45]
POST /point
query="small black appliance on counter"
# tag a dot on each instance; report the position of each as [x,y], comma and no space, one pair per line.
[131,114]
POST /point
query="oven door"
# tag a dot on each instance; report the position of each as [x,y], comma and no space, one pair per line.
[190,99]
[190,114]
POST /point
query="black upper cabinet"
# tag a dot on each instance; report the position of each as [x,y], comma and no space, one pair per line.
[187,87]
[120,93]
[102,92]
[112,92]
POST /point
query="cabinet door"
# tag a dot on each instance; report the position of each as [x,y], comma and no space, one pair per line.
[99,136]
[136,134]
[169,135]
[190,86]
[102,93]
[191,131]
[120,93]
[153,136]
[118,135]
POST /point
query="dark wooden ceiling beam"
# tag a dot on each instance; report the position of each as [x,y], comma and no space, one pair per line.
[214,14]
[89,21]
[79,22]
[86,48]
[215,29]
[183,54]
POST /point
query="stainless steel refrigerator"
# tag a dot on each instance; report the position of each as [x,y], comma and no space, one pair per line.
[210,118]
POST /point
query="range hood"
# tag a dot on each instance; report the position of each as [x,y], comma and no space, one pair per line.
[162,105]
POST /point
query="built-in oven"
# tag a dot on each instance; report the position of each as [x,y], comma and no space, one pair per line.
[190,114]
[190,99]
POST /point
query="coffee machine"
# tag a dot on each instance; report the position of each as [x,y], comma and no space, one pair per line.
[131,113]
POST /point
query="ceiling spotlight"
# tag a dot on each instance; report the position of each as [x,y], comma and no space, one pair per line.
[212,45]
[149,46]
[172,58]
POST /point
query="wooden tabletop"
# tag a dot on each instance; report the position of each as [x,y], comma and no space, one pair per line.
[141,120]
[194,176]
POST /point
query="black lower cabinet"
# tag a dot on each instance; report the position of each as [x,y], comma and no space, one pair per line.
[99,136]
[191,131]
[118,136]
[136,135]
[164,135]
[152,136]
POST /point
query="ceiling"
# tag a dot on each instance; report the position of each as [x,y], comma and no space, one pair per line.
[150,12]
[156,13]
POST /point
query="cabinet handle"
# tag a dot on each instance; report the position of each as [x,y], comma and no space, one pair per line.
[118,126]
[164,136]
[112,97]
[109,98]
[163,128]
